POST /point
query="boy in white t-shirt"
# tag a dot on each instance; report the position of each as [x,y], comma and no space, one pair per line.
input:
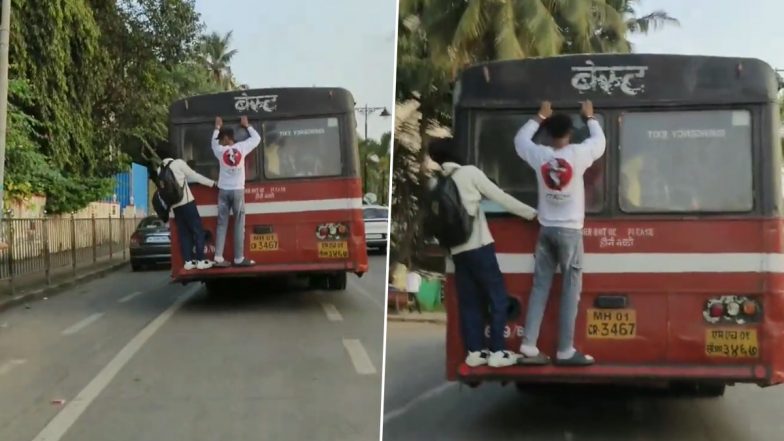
[559,171]
[231,187]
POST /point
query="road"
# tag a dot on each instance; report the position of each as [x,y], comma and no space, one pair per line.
[131,357]
[419,405]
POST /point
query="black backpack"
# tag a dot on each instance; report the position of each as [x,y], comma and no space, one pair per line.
[169,190]
[160,207]
[447,219]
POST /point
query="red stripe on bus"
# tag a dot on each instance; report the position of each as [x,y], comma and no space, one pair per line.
[288,191]
[653,236]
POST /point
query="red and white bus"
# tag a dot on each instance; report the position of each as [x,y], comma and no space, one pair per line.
[684,236]
[303,194]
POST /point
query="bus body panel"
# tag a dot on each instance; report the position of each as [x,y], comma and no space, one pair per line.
[295,224]
[667,283]
[293,214]
[667,267]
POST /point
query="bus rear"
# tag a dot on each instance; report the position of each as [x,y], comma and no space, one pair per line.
[303,195]
[683,268]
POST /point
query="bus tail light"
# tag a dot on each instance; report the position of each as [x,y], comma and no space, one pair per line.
[739,310]
[332,231]
[716,310]
[749,308]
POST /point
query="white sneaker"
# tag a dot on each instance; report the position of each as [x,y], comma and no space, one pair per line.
[190,265]
[477,358]
[503,359]
[204,264]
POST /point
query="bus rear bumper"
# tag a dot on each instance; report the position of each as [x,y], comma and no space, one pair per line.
[619,373]
[266,270]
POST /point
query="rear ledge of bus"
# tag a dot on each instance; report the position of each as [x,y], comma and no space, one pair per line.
[262,270]
[616,373]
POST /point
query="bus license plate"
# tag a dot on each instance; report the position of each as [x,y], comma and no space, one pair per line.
[731,343]
[333,250]
[611,323]
[264,242]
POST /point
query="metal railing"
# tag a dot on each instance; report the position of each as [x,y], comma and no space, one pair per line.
[43,245]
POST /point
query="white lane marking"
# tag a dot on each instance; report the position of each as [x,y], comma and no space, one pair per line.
[361,289]
[332,312]
[211,210]
[391,415]
[130,297]
[78,326]
[658,263]
[359,356]
[71,412]
[10,364]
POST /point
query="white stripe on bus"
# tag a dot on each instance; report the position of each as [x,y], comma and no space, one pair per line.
[658,263]
[211,210]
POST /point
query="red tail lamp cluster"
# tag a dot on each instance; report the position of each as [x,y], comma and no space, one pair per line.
[738,310]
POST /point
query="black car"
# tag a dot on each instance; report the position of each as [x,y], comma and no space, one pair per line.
[150,244]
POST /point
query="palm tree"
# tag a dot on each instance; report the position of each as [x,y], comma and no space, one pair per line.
[468,31]
[215,54]
[481,30]
[610,40]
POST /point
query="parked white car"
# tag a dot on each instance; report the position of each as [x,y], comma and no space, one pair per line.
[376,226]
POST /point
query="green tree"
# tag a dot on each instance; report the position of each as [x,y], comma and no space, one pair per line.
[55,47]
[152,45]
[215,53]
[374,159]
[29,172]
[465,32]
[609,39]
[92,81]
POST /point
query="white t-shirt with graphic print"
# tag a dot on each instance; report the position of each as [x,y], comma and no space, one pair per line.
[560,174]
[232,160]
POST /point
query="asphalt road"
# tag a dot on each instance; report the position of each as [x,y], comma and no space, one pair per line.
[131,357]
[420,405]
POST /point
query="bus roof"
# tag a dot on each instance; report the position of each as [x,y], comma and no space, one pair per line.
[272,103]
[617,80]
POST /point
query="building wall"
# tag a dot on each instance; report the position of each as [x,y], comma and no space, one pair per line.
[131,190]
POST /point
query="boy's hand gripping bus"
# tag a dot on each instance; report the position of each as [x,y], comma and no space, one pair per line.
[684,235]
[303,192]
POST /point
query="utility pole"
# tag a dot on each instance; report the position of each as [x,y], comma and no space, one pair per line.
[5,31]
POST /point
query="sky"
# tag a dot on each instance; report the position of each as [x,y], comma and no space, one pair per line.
[330,43]
[750,28]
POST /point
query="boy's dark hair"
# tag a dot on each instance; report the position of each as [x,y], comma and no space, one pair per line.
[443,150]
[558,125]
[226,132]
[165,150]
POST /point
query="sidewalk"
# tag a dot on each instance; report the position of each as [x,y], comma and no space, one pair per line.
[416,317]
[33,286]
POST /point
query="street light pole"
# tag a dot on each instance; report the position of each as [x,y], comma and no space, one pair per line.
[366,118]
[5,31]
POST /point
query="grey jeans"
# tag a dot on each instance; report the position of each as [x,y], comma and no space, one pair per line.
[231,201]
[556,247]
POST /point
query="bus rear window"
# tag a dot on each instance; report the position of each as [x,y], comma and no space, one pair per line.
[302,148]
[197,150]
[695,161]
[495,152]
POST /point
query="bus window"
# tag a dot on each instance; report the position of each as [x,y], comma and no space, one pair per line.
[197,150]
[302,148]
[495,152]
[686,161]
